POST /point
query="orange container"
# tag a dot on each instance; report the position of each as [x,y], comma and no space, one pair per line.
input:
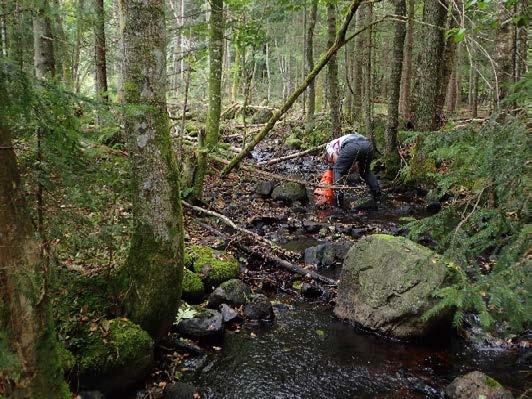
[325,195]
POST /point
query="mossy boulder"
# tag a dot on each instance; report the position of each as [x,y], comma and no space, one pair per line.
[476,385]
[388,283]
[232,292]
[114,355]
[193,288]
[290,192]
[214,267]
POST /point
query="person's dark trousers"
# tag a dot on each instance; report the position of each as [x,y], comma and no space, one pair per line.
[362,152]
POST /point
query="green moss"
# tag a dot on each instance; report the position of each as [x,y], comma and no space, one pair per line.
[214,267]
[293,142]
[123,345]
[192,287]
[492,383]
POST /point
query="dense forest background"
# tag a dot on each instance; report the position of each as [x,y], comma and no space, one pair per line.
[118,110]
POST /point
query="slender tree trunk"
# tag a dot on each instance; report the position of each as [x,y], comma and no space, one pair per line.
[77,46]
[367,75]
[357,70]
[451,95]
[339,43]
[268,73]
[154,268]
[391,151]
[236,73]
[504,53]
[522,45]
[43,42]
[3,28]
[310,62]
[27,334]
[216,47]
[100,62]
[430,70]
[474,96]
[335,107]
[406,75]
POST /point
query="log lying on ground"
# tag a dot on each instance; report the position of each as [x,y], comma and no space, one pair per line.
[269,256]
[292,156]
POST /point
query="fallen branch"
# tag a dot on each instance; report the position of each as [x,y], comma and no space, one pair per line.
[292,156]
[276,260]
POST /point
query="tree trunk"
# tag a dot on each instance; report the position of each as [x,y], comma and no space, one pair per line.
[339,43]
[335,107]
[3,28]
[216,50]
[522,44]
[100,63]
[77,46]
[474,95]
[236,73]
[504,53]
[268,73]
[406,75]
[30,366]
[154,268]
[430,70]
[43,42]
[357,70]
[391,151]
[367,74]
[451,95]
[310,62]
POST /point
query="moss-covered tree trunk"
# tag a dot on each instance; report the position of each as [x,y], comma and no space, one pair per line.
[216,51]
[333,91]
[100,61]
[391,152]
[406,74]
[309,47]
[429,68]
[43,42]
[29,362]
[153,271]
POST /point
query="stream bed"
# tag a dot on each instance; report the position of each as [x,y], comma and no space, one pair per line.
[308,353]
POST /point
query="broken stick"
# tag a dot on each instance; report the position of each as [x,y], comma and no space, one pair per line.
[292,156]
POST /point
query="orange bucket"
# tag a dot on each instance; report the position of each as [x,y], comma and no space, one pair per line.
[325,195]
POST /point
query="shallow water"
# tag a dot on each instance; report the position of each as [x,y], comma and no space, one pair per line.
[307,353]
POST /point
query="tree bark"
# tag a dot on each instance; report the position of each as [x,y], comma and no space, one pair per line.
[236,73]
[406,75]
[77,46]
[430,70]
[357,70]
[43,42]
[339,42]
[310,62]
[216,47]
[100,62]
[154,268]
[367,74]
[391,151]
[504,53]
[335,108]
[28,346]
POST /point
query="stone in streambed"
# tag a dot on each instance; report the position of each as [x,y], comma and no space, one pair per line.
[311,290]
[387,284]
[206,324]
[260,308]
[476,385]
[213,267]
[327,254]
[264,188]
[179,390]
[232,292]
[229,315]
[290,192]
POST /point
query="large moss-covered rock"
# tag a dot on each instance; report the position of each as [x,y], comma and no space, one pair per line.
[290,192]
[193,289]
[214,267]
[387,284]
[113,355]
[476,385]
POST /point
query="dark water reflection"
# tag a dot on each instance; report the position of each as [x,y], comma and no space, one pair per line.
[307,353]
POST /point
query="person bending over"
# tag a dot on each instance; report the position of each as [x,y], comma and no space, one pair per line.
[343,152]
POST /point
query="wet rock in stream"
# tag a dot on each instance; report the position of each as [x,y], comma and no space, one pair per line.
[208,323]
[260,308]
[311,290]
[232,292]
[290,192]
[476,385]
[264,188]
[229,315]
[179,390]
[328,254]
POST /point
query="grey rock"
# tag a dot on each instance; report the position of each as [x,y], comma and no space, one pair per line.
[476,385]
[290,192]
[326,255]
[207,323]
[264,188]
[311,227]
[229,315]
[387,284]
[91,395]
[311,290]
[232,292]
[261,116]
[260,308]
[179,390]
